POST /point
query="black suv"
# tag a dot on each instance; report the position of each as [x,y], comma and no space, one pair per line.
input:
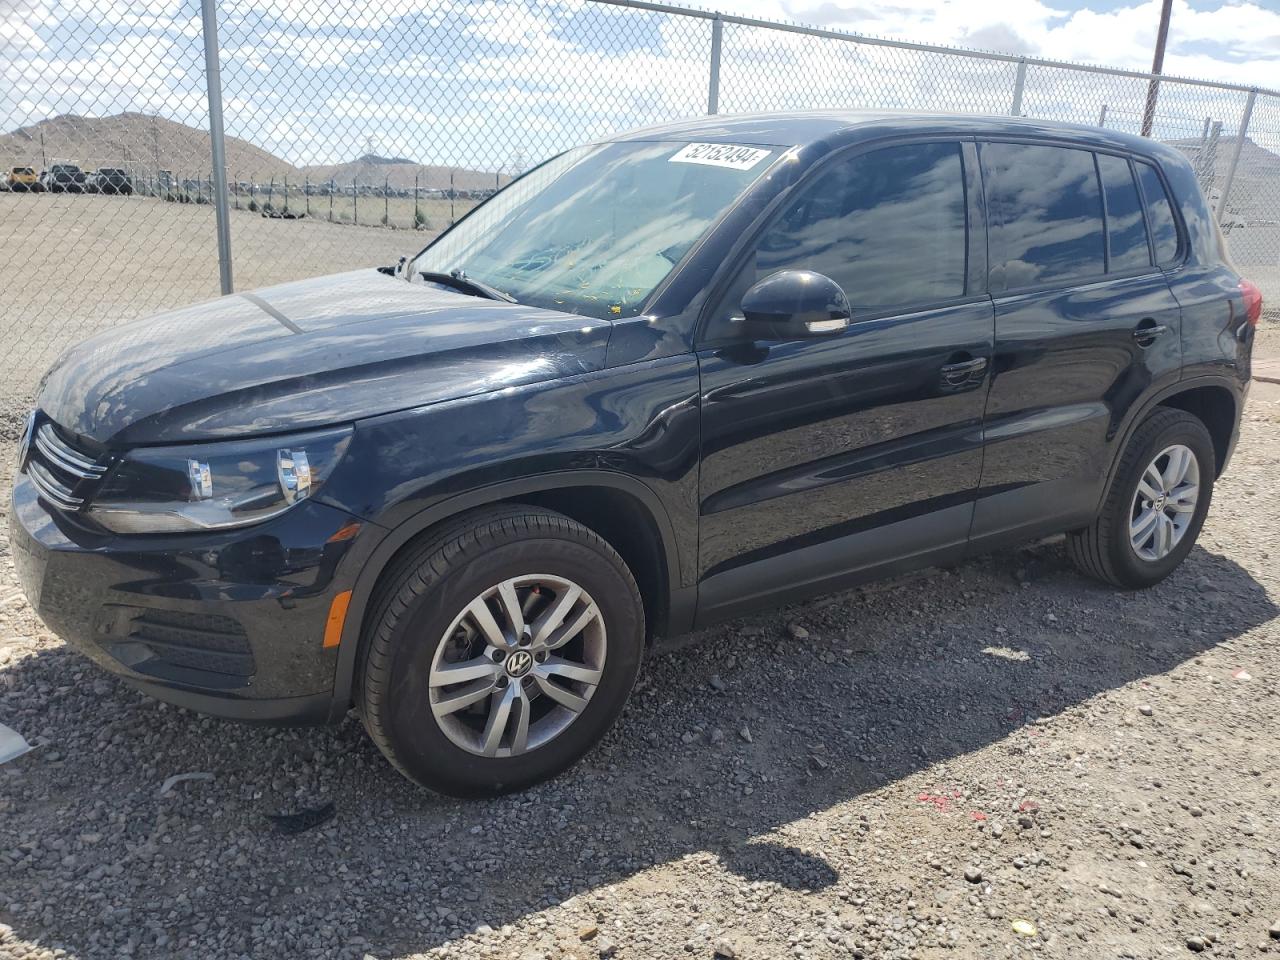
[63,178]
[658,381]
[110,180]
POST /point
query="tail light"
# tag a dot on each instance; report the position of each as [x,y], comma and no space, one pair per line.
[1252,302]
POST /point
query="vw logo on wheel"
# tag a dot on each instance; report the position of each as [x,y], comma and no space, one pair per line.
[519,663]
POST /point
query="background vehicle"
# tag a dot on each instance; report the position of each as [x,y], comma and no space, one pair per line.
[656,382]
[110,180]
[21,179]
[63,178]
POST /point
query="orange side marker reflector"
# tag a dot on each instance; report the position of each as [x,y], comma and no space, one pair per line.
[337,617]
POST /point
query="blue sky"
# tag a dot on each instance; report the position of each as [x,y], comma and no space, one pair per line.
[502,83]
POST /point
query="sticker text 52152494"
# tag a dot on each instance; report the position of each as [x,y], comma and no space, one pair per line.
[720,155]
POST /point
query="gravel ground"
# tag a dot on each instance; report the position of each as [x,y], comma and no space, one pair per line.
[923,768]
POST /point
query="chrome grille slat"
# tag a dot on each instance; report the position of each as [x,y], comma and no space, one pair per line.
[50,488]
[63,475]
[65,457]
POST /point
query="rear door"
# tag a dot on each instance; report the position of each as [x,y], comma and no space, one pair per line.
[826,457]
[1086,327]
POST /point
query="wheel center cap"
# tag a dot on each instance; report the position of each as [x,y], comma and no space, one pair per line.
[1162,501]
[519,663]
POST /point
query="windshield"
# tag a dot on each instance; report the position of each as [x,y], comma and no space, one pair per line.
[595,230]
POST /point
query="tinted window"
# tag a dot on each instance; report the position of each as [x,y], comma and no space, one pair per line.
[1049,208]
[1164,232]
[888,226]
[1126,228]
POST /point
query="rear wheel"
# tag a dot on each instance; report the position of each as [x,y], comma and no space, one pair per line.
[1155,506]
[500,652]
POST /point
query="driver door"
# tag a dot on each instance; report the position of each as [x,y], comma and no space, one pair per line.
[832,458]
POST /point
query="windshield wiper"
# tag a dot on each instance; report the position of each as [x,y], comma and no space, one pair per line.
[463,284]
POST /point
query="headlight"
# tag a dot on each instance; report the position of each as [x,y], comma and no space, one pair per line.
[208,486]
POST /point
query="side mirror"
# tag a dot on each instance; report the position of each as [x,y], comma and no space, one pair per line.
[794,304]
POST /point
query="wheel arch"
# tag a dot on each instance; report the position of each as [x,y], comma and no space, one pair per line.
[1216,401]
[620,509]
[1216,407]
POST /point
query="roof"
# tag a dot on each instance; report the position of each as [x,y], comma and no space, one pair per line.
[810,126]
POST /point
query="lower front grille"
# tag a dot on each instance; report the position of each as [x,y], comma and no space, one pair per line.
[198,641]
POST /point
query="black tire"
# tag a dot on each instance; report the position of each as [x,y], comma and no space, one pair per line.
[418,600]
[1103,549]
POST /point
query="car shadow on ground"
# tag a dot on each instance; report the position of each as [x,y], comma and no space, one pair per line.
[725,741]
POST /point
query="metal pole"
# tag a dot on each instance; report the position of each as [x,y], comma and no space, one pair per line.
[713,86]
[1235,155]
[1019,81]
[1102,117]
[217,143]
[1157,65]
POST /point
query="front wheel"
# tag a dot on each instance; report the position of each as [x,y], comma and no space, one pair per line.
[1155,506]
[500,652]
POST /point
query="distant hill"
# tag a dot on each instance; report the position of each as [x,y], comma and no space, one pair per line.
[145,143]
[373,171]
[134,140]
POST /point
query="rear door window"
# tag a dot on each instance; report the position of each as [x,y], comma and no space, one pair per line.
[1126,227]
[1164,229]
[1047,208]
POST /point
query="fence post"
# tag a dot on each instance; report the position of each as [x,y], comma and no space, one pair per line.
[386,201]
[1235,154]
[355,201]
[217,143]
[1019,81]
[1102,117]
[713,85]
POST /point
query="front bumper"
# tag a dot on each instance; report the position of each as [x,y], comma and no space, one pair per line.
[229,623]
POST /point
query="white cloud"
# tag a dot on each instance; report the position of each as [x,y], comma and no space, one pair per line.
[475,81]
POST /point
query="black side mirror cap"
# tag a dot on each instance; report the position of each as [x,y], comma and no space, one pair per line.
[795,304]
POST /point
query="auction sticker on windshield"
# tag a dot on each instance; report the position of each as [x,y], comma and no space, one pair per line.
[720,155]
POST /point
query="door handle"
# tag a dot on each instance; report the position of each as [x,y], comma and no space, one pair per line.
[1147,331]
[963,370]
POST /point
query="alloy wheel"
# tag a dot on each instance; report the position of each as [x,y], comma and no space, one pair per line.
[518,665]
[1164,503]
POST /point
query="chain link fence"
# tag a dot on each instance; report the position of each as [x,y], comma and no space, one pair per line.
[354,132]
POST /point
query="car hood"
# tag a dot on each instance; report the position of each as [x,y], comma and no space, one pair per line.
[308,354]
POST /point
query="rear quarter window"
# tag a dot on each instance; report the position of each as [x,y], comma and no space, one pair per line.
[1164,228]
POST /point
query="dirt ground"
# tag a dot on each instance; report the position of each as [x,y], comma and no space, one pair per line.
[73,265]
